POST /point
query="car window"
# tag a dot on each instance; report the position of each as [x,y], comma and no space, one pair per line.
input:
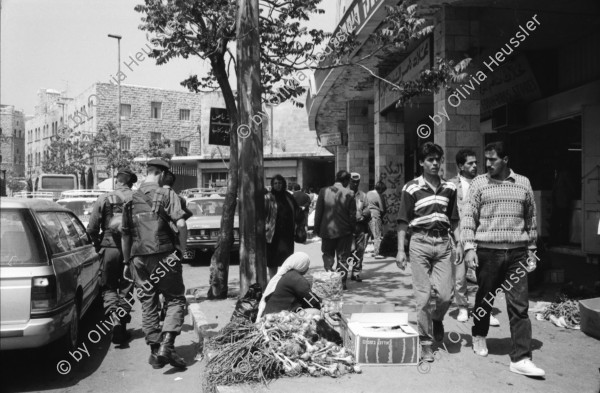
[81,233]
[20,241]
[72,235]
[54,232]
[82,209]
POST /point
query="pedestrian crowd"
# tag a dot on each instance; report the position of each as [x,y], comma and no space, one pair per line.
[480,226]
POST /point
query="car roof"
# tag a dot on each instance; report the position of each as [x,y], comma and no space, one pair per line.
[79,199]
[30,203]
[207,198]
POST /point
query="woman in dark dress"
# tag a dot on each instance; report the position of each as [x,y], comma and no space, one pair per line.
[289,290]
[281,245]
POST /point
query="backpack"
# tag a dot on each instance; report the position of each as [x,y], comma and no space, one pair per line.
[115,211]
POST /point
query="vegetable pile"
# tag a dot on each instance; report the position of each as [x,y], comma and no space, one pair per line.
[278,344]
[327,285]
[564,313]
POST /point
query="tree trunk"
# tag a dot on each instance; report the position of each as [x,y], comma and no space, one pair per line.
[219,263]
[252,218]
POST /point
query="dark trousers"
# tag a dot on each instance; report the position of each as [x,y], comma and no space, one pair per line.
[342,246]
[504,270]
[360,244]
[116,291]
[159,274]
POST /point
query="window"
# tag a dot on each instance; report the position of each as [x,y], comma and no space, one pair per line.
[125,111]
[155,136]
[214,179]
[21,243]
[125,143]
[155,110]
[184,114]
[68,225]
[54,232]
[83,236]
[182,148]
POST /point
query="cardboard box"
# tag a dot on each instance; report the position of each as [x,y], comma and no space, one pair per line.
[382,339]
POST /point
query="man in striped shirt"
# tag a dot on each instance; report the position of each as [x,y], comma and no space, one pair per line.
[428,207]
[498,231]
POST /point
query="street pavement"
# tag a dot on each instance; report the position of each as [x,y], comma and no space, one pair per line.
[571,359]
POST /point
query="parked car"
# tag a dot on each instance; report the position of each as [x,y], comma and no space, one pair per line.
[203,192]
[80,202]
[205,224]
[49,274]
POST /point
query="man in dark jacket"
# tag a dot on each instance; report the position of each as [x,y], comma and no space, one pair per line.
[116,291]
[335,221]
[149,245]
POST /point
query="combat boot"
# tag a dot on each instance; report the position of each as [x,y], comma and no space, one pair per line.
[154,360]
[166,352]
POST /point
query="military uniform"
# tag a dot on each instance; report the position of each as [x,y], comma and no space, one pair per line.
[147,223]
[117,292]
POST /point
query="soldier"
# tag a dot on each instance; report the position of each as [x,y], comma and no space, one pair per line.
[153,253]
[116,291]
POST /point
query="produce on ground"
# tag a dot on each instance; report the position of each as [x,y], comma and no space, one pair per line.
[565,308]
[327,285]
[278,344]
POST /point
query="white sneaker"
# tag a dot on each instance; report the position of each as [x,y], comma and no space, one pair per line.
[526,367]
[494,321]
[463,315]
[480,346]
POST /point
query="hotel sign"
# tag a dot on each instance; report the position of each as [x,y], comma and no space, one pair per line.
[409,69]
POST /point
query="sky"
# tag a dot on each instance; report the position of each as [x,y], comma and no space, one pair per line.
[63,45]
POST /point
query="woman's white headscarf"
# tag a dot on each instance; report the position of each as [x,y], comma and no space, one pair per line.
[297,261]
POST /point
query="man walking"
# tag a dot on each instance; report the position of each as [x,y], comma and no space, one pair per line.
[376,201]
[466,161]
[428,208]
[499,235]
[303,200]
[148,242]
[361,231]
[335,219]
[117,293]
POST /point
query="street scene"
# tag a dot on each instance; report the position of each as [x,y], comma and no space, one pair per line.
[300,195]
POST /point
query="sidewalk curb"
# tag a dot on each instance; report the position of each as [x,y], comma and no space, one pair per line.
[199,321]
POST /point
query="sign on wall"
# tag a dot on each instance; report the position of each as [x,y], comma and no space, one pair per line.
[331,139]
[218,133]
[420,58]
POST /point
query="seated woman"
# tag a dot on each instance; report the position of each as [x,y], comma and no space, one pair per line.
[289,289]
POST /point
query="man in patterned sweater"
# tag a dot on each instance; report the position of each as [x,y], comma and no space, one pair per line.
[498,232]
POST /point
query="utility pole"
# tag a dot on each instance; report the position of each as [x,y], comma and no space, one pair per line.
[253,264]
[118,37]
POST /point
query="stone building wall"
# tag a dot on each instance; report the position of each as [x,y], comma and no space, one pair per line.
[12,140]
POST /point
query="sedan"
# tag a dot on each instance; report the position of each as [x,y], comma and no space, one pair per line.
[49,274]
[205,224]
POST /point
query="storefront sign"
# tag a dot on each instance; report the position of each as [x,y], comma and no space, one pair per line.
[218,133]
[511,82]
[408,70]
[332,139]
[353,22]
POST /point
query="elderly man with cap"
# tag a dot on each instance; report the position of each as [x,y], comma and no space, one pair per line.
[363,216]
[116,291]
[150,246]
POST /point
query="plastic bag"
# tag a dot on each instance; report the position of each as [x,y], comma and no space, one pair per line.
[247,307]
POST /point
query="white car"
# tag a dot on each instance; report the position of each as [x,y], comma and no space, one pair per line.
[80,202]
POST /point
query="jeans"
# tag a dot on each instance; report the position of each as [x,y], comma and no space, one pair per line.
[504,270]
[158,274]
[431,264]
[460,282]
[116,291]
[376,227]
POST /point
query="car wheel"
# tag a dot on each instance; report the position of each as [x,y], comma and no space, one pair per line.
[71,339]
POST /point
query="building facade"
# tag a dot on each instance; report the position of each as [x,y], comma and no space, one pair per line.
[12,140]
[148,114]
[533,82]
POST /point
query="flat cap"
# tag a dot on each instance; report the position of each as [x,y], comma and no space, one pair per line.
[132,176]
[157,162]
